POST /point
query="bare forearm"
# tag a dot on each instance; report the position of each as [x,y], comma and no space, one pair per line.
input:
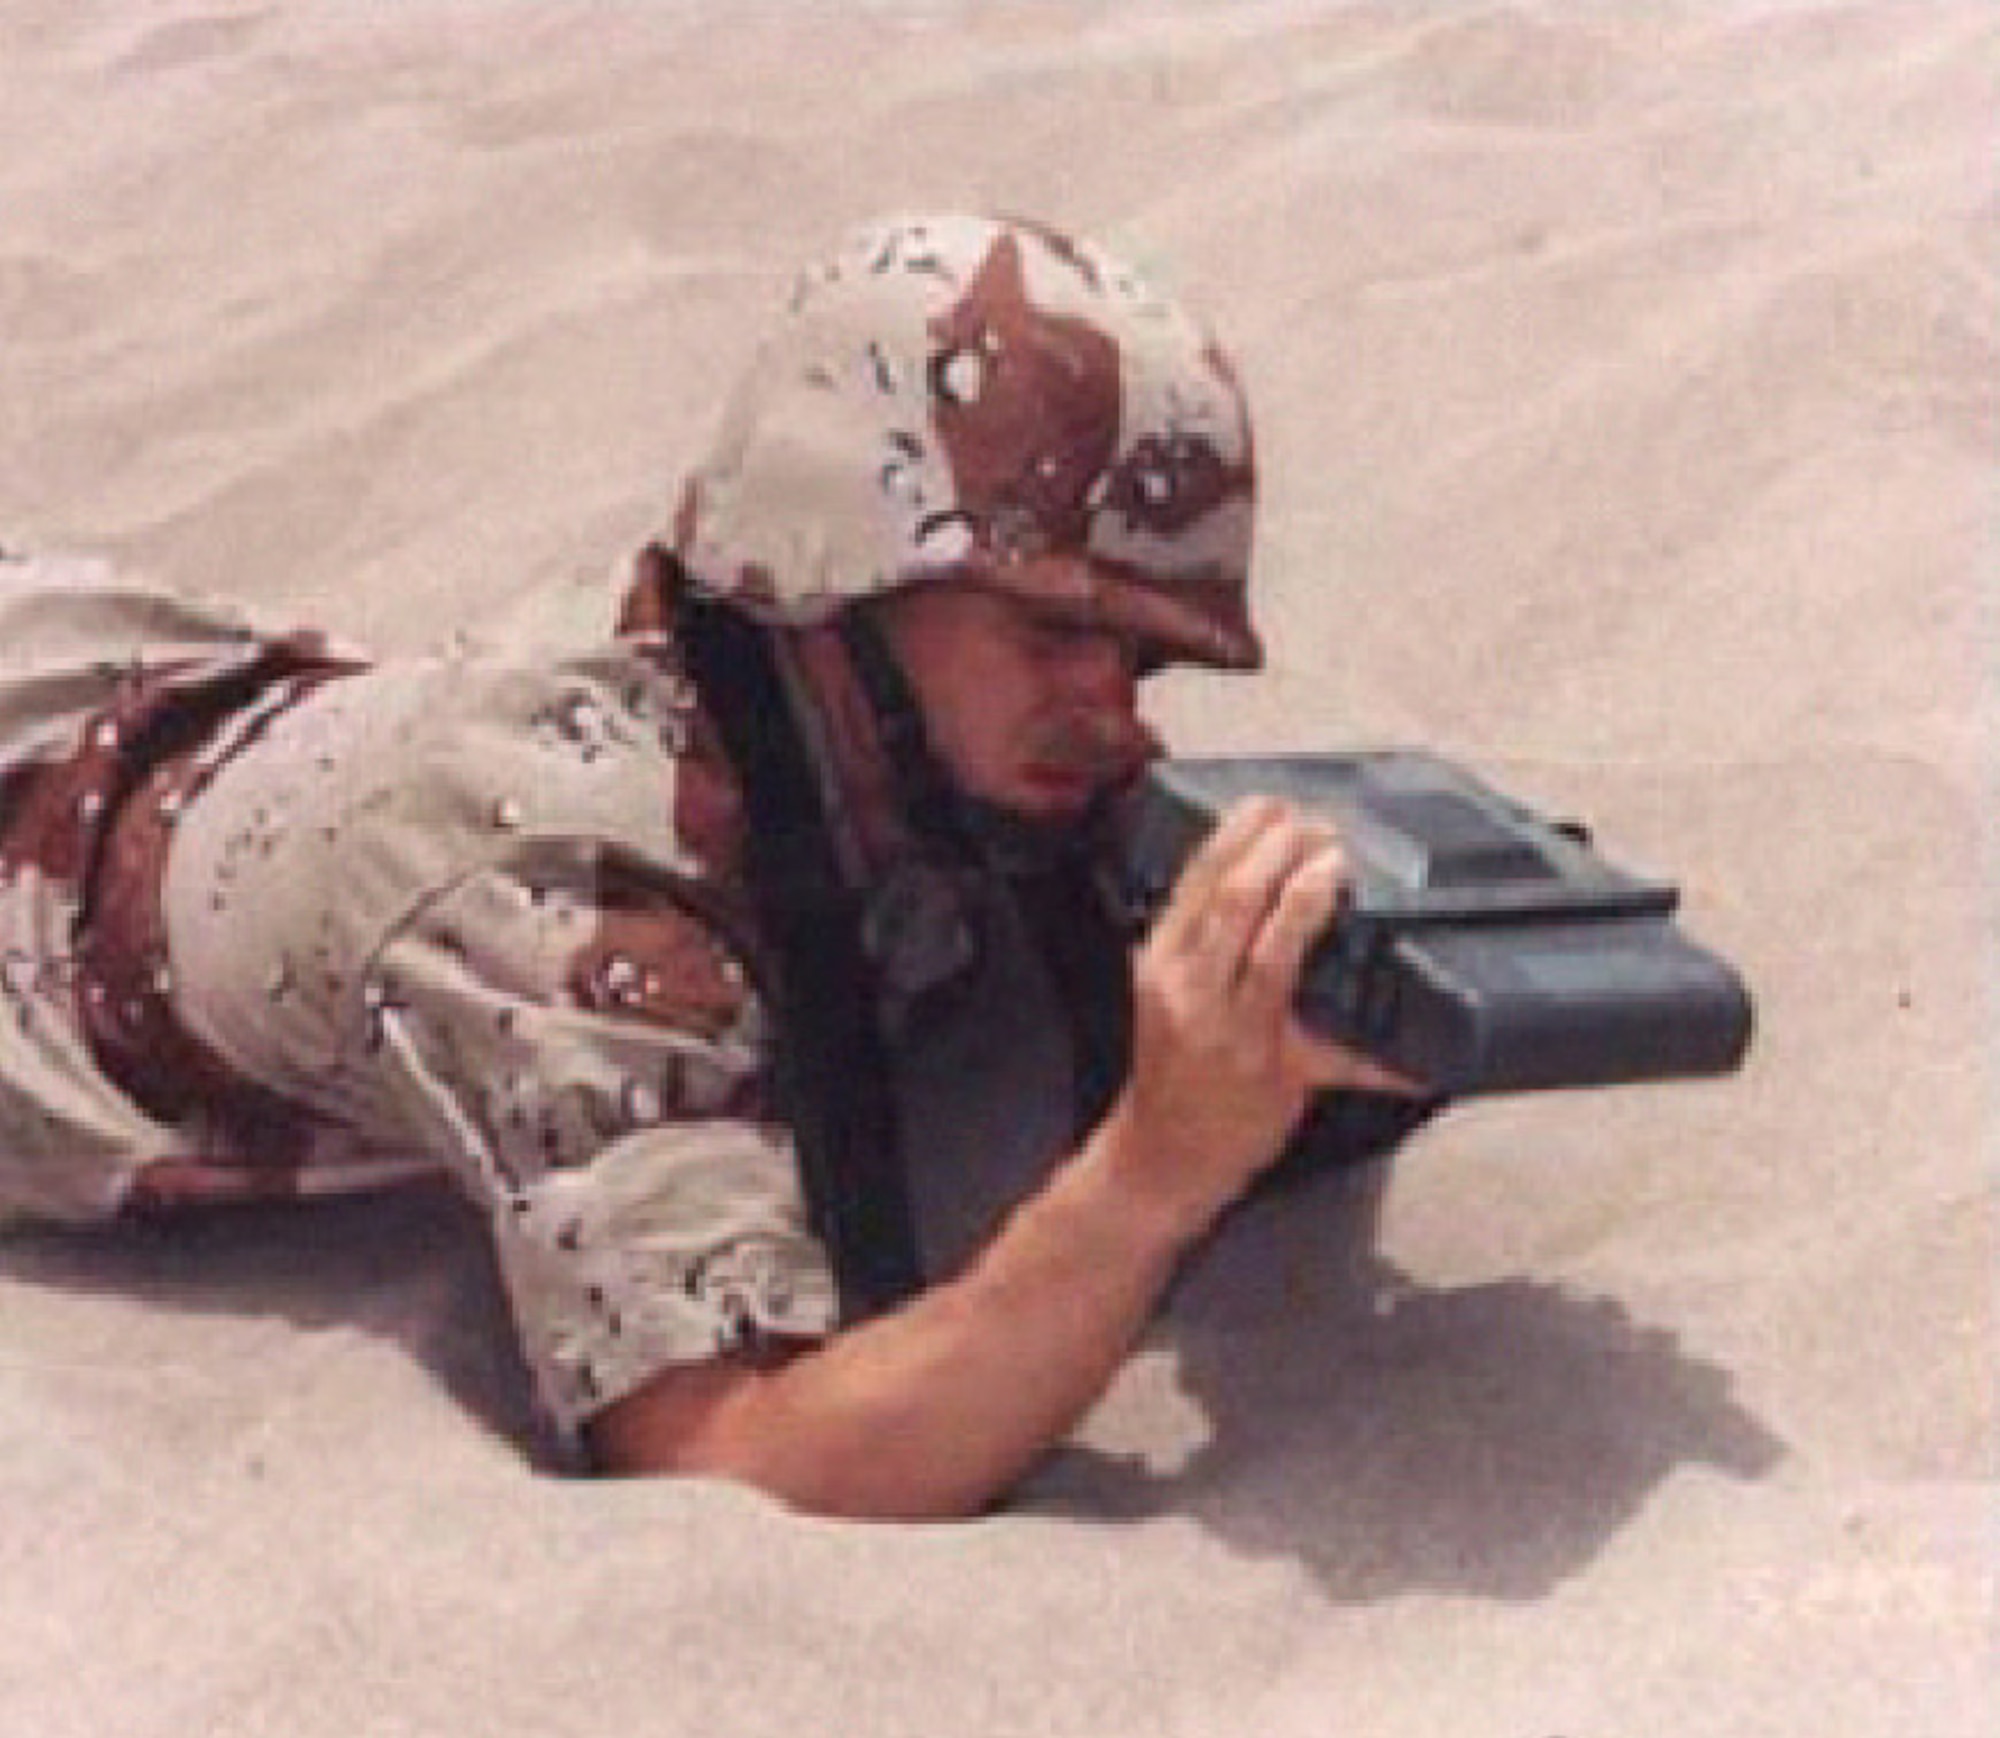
[938,1408]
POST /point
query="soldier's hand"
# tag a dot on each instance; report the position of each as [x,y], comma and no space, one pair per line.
[1222,1070]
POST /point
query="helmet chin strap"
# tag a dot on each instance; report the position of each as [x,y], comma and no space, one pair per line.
[940,812]
[885,925]
[918,925]
[926,794]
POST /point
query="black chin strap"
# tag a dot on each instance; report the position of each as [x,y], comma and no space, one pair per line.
[928,801]
[1052,877]
[833,1069]
[833,1074]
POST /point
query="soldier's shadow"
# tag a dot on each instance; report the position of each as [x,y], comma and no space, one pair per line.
[412,1267]
[1489,1440]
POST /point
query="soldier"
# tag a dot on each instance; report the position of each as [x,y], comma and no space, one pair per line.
[755,974]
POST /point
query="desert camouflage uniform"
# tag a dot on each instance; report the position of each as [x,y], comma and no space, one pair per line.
[274,920]
[465,914]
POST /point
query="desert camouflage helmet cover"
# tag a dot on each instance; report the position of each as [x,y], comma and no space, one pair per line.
[964,398]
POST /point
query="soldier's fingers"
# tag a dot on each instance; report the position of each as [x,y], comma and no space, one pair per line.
[1333,1067]
[1216,857]
[1304,905]
[1224,940]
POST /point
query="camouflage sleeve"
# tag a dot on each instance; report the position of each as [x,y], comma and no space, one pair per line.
[595,1070]
[447,909]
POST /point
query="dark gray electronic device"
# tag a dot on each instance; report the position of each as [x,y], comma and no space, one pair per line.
[1486,949]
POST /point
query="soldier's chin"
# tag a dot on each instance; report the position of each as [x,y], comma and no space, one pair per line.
[1055,793]
[1029,830]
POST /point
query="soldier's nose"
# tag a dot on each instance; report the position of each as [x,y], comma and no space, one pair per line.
[1104,673]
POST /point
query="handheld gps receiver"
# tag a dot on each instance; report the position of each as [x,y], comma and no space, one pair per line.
[1485,949]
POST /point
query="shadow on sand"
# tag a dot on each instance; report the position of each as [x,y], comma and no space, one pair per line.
[1488,1440]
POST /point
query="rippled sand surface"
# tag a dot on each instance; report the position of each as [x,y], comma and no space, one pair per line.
[1627,386]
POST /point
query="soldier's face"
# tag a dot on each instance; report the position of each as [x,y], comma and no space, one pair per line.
[1028,710]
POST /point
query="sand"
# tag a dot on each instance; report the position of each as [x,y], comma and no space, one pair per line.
[1628,399]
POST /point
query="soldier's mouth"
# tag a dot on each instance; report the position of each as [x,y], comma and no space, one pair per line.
[1079,760]
[1065,786]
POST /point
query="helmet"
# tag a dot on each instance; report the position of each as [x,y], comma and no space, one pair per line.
[964,399]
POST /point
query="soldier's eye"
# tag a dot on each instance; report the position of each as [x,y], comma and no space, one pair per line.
[1055,635]
[1057,640]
